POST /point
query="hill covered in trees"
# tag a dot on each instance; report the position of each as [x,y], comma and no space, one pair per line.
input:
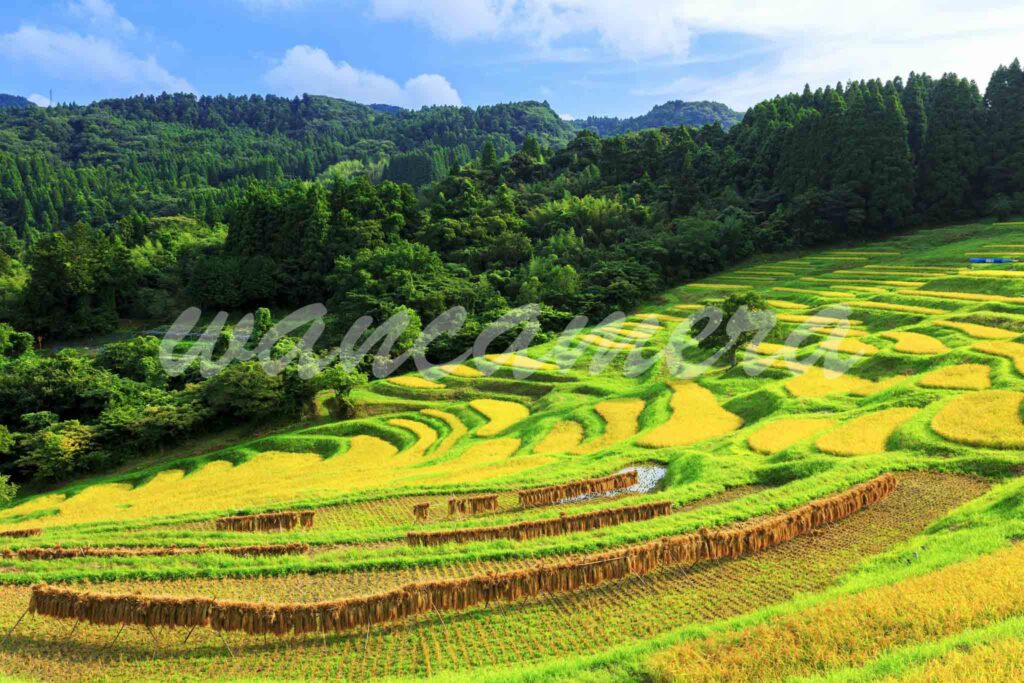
[14,101]
[670,114]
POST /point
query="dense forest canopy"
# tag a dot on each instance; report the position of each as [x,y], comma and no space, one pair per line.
[138,208]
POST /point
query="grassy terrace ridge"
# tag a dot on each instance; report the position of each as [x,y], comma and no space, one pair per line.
[934,393]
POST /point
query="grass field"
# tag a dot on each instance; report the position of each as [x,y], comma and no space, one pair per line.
[919,586]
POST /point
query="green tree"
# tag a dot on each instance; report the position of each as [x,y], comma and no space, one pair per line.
[744,317]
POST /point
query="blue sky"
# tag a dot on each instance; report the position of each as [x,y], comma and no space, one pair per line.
[585,57]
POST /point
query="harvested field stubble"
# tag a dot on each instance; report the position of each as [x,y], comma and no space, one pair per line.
[525,531]
[561,625]
[419,599]
[549,495]
[270,521]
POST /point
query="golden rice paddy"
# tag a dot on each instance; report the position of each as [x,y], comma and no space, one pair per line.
[414,382]
[713,285]
[771,349]
[865,434]
[840,332]
[990,419]
[915,342]
[966,296]
[817,382]
[696,416]
[845,282]
[1006,349]
[629,333]
[781,434]
[621,417]
[966,376]
[515,360]
[597,340]
[500,414]
[564,436]
[664,317]
[826,294]
[978,331]
[898,308]
[982,272]
[425,436]
[461,371]
[815,319]
[457,430]
[848,345]
[779,303]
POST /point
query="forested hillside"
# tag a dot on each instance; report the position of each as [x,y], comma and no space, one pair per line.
[14,101]
[587,227]
[674,113]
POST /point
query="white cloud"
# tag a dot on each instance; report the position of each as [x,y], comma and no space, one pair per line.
[41,100]
[802,41]
[306,69]
[101,12]
[567,117]
[88,58]
[630,30]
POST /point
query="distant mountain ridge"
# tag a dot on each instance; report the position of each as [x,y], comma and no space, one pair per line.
[14,101]
[673,113]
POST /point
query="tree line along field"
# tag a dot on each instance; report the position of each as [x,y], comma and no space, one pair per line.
[918,585]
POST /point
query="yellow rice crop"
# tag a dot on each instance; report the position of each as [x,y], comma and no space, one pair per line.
[500,414]
[626,332]
[778,303]
[979,331]
[770,349]
[689,307]
[1007,349]
[461,371]
[268,478]
[415,382]
[901,308]
[817,382]
[425,436]
[984,418]
[696,416]
[658,316]
[815,292]
[1001,660]
[989,254]
[597,340]
[914,342]
[966,376]
[564,436]
[848,345]
[457,429]
[781,434]
[865,434]
[515,360]
[852,630]
[891,272]
[621,417]
[777,273]
[868,290]
[967,296]
[982,272]
[836,258]
[649,327]
[862,281]
[837,332]
[713,285]
[814,319]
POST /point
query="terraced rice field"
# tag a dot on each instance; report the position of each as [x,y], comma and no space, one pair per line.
[926,381]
